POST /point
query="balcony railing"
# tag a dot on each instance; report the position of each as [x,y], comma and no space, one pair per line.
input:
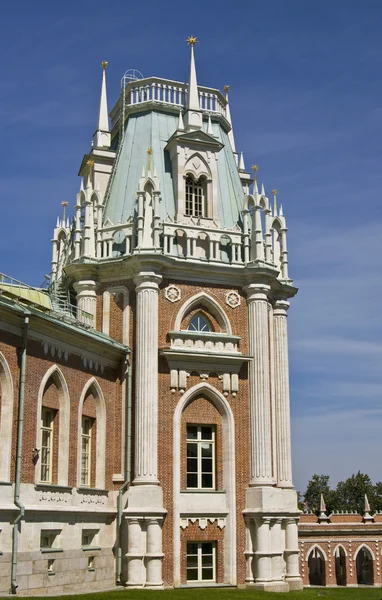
[172,93]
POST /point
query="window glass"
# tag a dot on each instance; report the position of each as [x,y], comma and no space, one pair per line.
[200,453]
[201,561]
[46,457]
[199,323]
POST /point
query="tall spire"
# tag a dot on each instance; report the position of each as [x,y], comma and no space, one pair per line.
[193,116]
[228,117]
[102,134]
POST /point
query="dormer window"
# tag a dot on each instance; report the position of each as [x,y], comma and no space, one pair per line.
[196,196]
[199,323]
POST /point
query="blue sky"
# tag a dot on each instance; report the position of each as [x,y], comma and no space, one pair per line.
[306,101]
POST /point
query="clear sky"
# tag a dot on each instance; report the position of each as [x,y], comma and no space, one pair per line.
[306,102]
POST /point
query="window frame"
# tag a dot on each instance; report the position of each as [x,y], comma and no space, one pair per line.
[201,317]
[195,204]
[199,441]
[48,449]
[199,566]
[87,439]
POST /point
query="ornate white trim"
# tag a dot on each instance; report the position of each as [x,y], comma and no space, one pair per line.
[203,521]
[172,293]
[233,299]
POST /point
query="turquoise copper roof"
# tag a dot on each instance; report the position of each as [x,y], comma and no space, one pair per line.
[153,129]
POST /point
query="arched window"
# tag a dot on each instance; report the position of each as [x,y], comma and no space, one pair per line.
[6,415]
[52,461]
[199,323]
[91,436]
[340,558]
[365,571]
[196,192]
[316,564]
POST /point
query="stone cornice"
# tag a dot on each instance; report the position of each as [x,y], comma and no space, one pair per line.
[127,267]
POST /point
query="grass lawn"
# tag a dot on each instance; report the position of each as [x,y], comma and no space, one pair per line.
[369,593]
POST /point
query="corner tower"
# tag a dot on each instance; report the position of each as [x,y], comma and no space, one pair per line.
[170,253]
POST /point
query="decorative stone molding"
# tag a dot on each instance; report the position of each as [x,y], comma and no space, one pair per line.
[92,365]
[203,521]
[55,351]
[172,293]
[233,299]
[198,342]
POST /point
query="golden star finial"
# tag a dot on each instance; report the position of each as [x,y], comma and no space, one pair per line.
[275,192]
[104,64]
[149,150]
[64,203]
[90,163]
[192,40]
[255,168]
[226,88]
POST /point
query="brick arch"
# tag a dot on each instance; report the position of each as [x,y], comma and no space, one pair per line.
[55,375]
[210,304]
[93,387]
[228,425]
[6,417]
[316,546]
[366,548]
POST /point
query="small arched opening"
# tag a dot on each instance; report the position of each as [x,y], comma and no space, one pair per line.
[316,565]
[340,563]
[364,564]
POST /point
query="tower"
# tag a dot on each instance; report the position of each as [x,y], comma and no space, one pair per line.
[171,254]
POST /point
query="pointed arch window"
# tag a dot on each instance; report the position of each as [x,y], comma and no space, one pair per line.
[196,196]
[199,323]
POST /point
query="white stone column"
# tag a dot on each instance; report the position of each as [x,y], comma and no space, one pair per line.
[263,559]
[249,527]
[146,379]
[259,385]
[154,553]
[277,551]
[291,554]
[135,568]
[86,301]
[283,441]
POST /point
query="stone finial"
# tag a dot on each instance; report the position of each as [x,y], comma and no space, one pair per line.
[322,516]
[366,515]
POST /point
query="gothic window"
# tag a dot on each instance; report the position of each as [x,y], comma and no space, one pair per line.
[316,564]
[86,431]
[201,561]
[47,418]
[200,457]
[196,192]
[199,323]
[364,565]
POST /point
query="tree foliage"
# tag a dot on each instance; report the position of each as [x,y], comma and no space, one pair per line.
[349,495]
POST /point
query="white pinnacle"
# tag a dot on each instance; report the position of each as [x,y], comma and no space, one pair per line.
[103,117]
[193,94]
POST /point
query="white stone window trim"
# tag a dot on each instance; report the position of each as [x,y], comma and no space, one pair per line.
[64,427]
[363,545]
[6,418]
[319,549]
[199,441]
[200,556]
[211,305]
[229,483]
[100,434]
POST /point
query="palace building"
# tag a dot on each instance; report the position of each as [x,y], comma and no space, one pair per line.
[145,426]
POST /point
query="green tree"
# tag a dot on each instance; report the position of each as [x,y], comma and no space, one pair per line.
[351,493]
[319,484]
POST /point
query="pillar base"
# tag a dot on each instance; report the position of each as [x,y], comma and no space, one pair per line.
[295,584]
[270,586]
